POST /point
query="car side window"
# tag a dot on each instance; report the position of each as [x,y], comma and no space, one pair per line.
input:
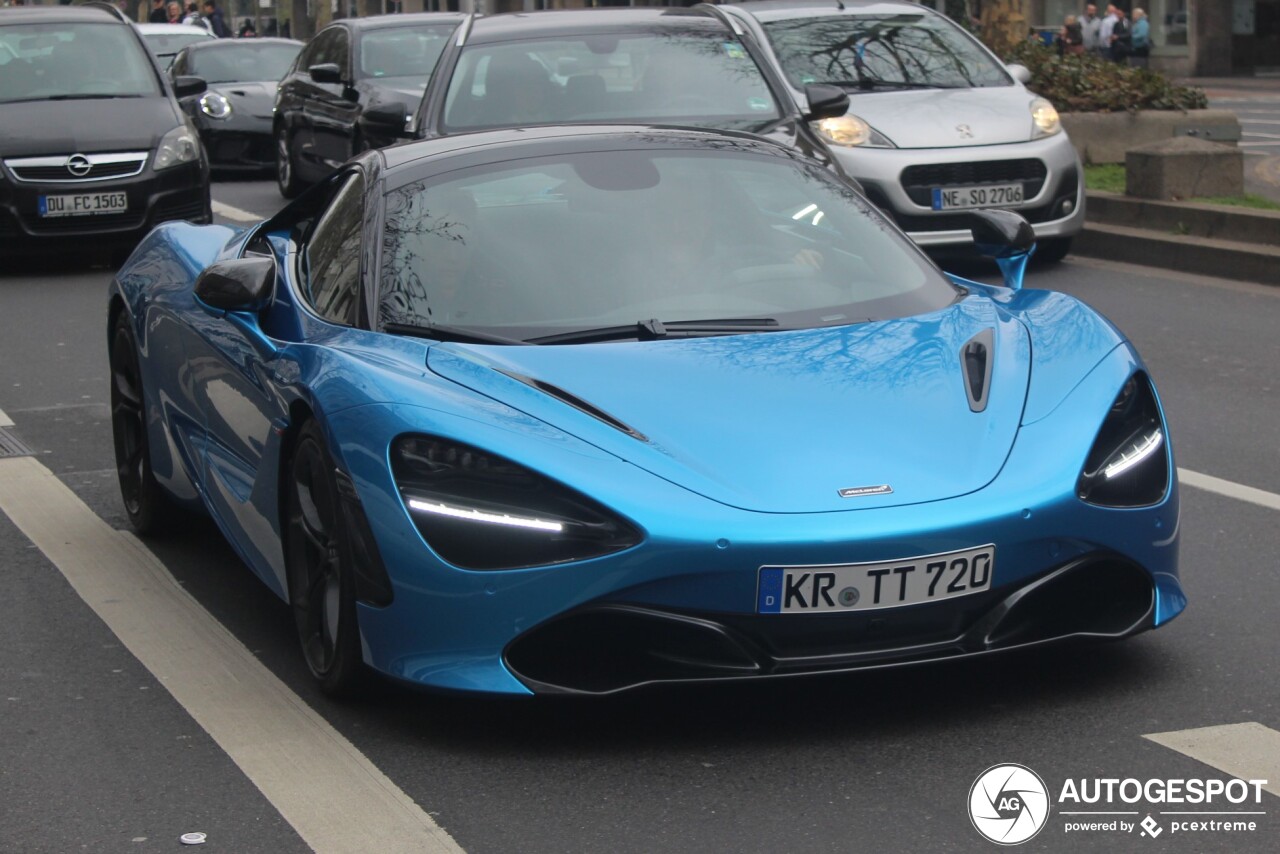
[331,46]
[333,255]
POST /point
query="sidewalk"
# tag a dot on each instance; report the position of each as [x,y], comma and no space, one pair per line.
[1256,102]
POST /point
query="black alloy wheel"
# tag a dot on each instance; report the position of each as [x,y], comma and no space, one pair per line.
[148,506]
[286,169]
[321,581]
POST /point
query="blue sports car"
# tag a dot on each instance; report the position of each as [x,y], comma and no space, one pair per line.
[576,410]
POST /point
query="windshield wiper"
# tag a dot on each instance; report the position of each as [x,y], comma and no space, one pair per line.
[653,330]
[877,83]
[440,332]
[81,96]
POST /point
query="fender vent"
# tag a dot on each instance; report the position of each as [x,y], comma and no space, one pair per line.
[578,403]
[975,363]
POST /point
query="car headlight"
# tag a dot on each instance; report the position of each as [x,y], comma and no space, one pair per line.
[851,131]
[180,145]
[215,106]
[481,511]
[1045,118]
[1128,465]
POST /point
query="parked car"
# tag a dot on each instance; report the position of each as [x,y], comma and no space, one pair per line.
[234,116]
[347,68]
[92,141]
[937,125]
[166,40]
[586,66]
[580,409]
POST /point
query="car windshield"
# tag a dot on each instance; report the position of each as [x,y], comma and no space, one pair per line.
[646,77]
[715,241]
[166,45]
[881,51]
[240,62]
[403,51]
[62,61]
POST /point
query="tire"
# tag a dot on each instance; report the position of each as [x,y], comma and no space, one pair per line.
[149,507]
[286,167]
[318,562]
[1052,251]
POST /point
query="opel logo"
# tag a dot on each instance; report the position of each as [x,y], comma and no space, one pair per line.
[78,165]
[965,131]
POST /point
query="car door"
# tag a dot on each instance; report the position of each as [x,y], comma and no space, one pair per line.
[332,108]
[245,379]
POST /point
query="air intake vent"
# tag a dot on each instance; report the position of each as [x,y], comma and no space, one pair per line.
[975,363]
[579,404]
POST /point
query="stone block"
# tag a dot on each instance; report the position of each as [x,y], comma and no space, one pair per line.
[1105,137]
[1183,168]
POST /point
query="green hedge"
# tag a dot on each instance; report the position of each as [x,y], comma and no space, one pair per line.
[1086,84]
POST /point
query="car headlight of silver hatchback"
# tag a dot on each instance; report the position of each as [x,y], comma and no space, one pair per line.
[180,145]
[215,106]
[1044,119]
[851,131]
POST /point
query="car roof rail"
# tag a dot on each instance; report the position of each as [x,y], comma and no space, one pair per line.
[110,7]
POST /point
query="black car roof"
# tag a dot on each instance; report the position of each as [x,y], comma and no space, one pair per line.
[62,14]
[565,22]
[609,136]
[374,22]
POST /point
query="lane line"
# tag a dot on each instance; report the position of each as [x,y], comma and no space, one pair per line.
[332,795]
[5,420]
[1249,751]
[231,212]
[1229,488]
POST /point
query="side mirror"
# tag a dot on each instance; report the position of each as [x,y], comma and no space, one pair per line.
[825,102]
[241,284]
[387,119]
[1020,72]
[186,87]
[1008,238]
[327,72]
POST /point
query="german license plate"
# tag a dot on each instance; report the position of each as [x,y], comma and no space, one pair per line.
[866,586]
[84,204]
[989,196]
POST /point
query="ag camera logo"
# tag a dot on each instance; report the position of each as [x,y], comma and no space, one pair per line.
[1008,804]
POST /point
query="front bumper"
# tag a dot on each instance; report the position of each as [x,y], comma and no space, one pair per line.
[242,143]
[1054,199]
[177,193]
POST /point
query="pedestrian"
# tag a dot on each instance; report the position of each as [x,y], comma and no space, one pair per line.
[1070,37]
[247,30]
[158,14]
[1141,38]
[1090,23]
[192,16]
[1104,31]
[174,11]
[217,24]
[1121,38]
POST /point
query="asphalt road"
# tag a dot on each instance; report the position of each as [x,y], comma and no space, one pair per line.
[96,755]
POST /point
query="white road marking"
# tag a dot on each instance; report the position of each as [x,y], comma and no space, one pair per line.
[5,420]
[1231,489]
[1256,144]
[331,794]
[1249,751]
[231,212]
[1259,133]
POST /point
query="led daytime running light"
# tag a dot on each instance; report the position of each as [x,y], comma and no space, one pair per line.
[480,516]
[1139,451]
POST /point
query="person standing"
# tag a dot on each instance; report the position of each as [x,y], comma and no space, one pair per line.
[1104,32]
[174,12]
[1090,23]
[1070,37]
[1121,38]
[217,23]
[1141,37]
[158,14]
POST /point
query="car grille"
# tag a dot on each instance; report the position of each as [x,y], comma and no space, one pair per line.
[961,220]
[179,208]
[919,181]
[55,169]
[102,222]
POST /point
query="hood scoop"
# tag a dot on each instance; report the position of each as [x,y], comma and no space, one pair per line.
[976,357]
[576,402]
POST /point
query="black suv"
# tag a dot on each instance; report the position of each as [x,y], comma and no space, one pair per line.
[348,67]
[92,142]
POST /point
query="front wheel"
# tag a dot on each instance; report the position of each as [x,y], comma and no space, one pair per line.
[318,558]
[286,168]
[148,506]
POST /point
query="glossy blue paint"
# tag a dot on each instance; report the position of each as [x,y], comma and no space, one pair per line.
[746,441]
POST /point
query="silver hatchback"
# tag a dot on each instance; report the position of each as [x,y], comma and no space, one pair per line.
[937,125]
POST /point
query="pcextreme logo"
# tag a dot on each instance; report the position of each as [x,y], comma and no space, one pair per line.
[1008,804]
